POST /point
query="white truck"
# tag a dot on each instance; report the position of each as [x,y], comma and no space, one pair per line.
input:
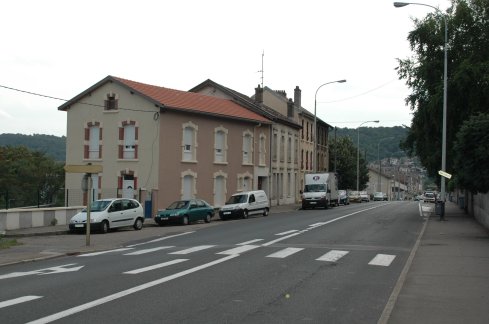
[320,190]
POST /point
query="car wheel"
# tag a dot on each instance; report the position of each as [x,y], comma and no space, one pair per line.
[265,212]
[138,224]
[207,218]
[245,213]
[105,227]
[185,220]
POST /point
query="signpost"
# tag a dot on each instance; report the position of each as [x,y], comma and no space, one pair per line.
[88,169]
[444,174]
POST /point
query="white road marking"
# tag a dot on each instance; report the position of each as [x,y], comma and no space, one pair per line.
[316,224]
[383,260]
[332,256]
[285,233]
[239,250]
[282,238]
[149,250]
[104,252]
[161,239]
[103,300]
[156,266]
[46,271]
[193,249]
[284,253]
[249,242]
[19,300]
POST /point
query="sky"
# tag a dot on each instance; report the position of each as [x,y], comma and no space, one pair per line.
[60,48]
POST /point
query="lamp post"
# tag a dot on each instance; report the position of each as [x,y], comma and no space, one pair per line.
[380,164]
[444,134]
[314,162]
[358,151]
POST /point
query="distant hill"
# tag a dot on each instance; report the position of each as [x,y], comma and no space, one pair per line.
[51,145]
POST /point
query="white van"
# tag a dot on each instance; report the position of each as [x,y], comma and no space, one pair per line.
[243,204]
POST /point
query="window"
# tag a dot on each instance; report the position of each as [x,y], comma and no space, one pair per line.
[189,142]
[247,148]
[262,149]
[112,102]
[282,148]
[220,145]
[274,147]
[93,138]
[128,137]
[289,149]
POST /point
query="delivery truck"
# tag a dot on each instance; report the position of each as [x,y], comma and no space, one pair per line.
[320,190]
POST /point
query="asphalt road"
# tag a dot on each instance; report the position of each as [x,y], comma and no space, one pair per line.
[316,266]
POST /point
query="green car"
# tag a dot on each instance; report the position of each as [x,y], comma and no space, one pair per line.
[184,212]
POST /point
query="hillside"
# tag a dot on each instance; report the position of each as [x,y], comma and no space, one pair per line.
[51,145]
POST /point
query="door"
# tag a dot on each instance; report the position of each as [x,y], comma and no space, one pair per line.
[128,186]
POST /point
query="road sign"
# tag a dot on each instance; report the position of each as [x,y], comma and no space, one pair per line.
[84,168]
[444,174]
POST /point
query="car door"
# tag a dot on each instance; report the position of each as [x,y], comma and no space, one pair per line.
[193,211]
[129,212]
[116,214]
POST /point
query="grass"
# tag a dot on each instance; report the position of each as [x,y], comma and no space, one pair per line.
[7,243]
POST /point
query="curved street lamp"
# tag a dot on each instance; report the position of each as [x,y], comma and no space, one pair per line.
[444,134]
[314,166]
[358,151]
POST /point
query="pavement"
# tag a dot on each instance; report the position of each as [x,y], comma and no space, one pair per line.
[445,280]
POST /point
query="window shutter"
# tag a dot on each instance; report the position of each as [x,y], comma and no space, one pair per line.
[121,133]
[85,151]
[87,134]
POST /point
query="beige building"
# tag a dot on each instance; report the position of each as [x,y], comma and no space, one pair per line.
[161,145]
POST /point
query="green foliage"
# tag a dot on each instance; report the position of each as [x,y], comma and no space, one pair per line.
[472,153]
[7,243]
[28,177]
[52,146]
[468,79]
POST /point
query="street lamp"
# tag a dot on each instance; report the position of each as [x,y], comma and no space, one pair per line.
[314,166]
[358,151]
[444,134]
[380,164]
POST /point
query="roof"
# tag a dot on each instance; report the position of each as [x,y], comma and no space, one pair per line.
[178,100]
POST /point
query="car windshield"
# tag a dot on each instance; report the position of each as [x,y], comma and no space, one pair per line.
[315,188]
[342,192]
[98,205]
[429,194]
[237,199]
[378,194]
[181,204]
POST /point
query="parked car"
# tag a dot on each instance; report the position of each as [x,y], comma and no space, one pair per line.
[364,196]
[246,203]
[106,214]
[378,196]
[384,195]
[343,197]
[185,212]
[354,196]
[429,196]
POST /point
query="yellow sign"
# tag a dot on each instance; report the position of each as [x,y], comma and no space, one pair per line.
[84,168]
[444,174]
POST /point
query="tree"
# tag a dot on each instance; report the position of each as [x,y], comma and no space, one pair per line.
[28,177]
[472,153]
[346,163]
[468,78]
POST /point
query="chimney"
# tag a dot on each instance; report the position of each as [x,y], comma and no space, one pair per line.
[259,95]
[290,108]
[297,97]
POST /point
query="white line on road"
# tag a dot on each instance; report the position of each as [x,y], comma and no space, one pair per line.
[284,253]
[103,300]
[104,252]
[149,250]
[156,266]
[239,250]
[285,233]
[249,242]
[332,256]
[18,301]
[383,260]
[193,249]
[161,239]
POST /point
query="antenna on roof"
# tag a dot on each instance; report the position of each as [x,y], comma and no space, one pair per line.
[261,71]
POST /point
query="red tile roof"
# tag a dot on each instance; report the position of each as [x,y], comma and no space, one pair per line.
[193,102]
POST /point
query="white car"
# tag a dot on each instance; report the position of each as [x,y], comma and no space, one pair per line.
[109,213]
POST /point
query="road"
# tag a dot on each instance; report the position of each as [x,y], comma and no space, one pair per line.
[337,266]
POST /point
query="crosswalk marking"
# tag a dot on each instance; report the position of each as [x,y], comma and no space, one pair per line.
[156,266]
[193,249]
[18,301]
[149,250]
[332,256]
[284,253]
[239,249]
[383,260]
[249,242]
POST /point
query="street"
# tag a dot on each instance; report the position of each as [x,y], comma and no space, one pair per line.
[337,265]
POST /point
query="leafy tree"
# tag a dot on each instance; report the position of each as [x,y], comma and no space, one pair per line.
[28,177]
[472,154]
[468,78]
[346,163]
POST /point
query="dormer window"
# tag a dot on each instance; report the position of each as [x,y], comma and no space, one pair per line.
[111,103]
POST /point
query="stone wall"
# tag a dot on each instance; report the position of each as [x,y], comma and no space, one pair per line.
[13,219]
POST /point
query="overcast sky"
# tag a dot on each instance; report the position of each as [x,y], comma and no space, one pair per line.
[60,48]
